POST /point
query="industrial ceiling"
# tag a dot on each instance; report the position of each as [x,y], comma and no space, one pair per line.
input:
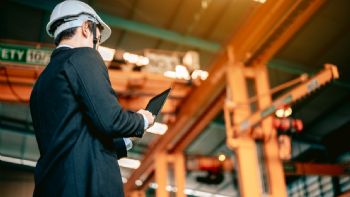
[205,26]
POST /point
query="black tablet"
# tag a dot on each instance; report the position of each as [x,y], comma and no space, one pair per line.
[156,103]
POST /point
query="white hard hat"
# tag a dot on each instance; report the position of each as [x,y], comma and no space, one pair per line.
[75,13]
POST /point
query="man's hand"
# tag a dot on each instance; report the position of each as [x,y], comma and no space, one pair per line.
[147,115]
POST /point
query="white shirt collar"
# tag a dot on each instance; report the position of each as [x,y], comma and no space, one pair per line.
[64,45]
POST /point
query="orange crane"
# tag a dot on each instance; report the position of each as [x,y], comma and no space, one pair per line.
[244,129]
[329,73]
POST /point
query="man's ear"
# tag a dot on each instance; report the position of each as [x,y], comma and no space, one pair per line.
[85,29]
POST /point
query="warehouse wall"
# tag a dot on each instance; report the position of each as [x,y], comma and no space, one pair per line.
[16,182]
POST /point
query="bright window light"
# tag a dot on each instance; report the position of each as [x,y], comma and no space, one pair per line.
[106,53]
[158,128]
[129,163]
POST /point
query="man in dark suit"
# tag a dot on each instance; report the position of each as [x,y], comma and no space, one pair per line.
[79,125]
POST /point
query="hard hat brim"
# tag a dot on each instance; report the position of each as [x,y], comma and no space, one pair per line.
[106,32]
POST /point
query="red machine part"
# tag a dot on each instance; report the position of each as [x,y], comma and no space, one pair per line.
[288,124]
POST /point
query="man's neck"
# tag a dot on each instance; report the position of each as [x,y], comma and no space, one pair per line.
[75,43]
[70,43]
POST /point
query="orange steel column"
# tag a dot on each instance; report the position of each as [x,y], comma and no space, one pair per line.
[180,174]
[243,146]
[162,161]
[248,168]
[274,167]
[161,174]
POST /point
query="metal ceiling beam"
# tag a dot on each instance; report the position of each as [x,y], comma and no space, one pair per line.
[130,16]
[261,27]
[299,12]
[287,68]
[297,69]
[137,27]
[164,34]
[170,21]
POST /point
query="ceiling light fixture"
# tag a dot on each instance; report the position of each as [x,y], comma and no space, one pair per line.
[132,58]
[135,59]
[203,75]
[284,112]
[182,72]
[260,1]
[221,157]
[138,182]
[124,180]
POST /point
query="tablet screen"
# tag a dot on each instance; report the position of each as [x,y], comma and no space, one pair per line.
[156,103]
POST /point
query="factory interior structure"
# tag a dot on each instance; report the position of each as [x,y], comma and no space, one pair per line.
[259,103]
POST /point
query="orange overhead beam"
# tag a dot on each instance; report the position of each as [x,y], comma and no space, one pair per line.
[202,163]
[135,89]
[265,34]
[295,169]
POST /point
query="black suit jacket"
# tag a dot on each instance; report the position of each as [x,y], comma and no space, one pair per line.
[79,126]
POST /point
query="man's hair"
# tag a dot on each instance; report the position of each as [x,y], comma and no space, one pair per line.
[69,33]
